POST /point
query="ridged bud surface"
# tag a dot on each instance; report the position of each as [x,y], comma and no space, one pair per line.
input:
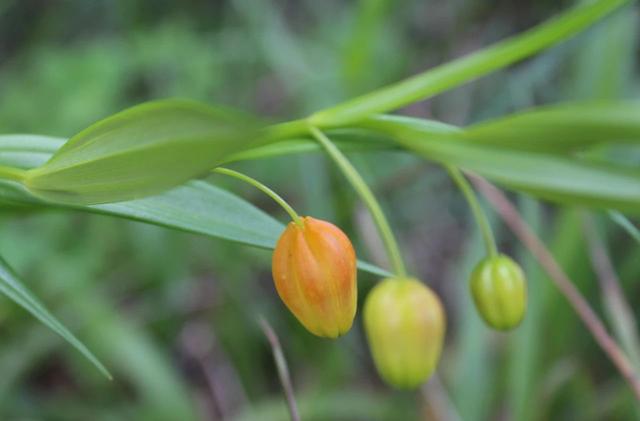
[314,270]
[405,326]
[499,291]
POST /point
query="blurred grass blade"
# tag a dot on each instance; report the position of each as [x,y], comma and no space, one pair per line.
[625,224]
[197,206]
[370,16]
[347,404]
[467,68]
[140,361]
[605,61]
[141,151]
[12,287]
[525,345]
[617,307]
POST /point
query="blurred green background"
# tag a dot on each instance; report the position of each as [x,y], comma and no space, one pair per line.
[173,315]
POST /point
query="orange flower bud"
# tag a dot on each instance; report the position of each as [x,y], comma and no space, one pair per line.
[499,291]
[405,325]
[314,270]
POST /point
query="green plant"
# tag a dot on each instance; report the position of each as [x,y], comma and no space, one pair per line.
[125,165]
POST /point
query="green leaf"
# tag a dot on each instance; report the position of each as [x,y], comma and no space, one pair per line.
[561,128]
[197,206]
[141,151]
[566,180]
[557,129]
[457,72]
[202,208]
[12,287]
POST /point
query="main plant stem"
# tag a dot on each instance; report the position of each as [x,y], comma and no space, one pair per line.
[478,213]
[255,183]
[368,198]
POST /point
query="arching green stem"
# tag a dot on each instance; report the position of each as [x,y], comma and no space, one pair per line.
[11,173]
[476,209]
[367,197]
[255,183]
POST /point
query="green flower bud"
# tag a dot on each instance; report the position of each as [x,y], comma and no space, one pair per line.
[405,326]
[499,290]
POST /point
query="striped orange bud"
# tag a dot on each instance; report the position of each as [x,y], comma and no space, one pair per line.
[405,326]
[314,270]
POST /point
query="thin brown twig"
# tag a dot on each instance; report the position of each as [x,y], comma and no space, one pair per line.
[512,218]
[283,370]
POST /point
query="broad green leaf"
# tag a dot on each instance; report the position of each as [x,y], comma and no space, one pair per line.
[202,208]
[197,206]
[141,151]
[561,128]
[566,180]
[12,287]
[459,71]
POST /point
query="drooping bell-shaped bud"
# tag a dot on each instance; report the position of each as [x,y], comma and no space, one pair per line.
[499,290]
[314,270]
[405,325]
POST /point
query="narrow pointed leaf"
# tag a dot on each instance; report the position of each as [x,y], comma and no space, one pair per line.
[12,287]
[561,128]
[557,129]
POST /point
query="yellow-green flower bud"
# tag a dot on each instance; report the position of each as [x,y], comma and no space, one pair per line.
[405,326]
[499,290]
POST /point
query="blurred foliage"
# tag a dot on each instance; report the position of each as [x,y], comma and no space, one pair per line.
[173,315]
